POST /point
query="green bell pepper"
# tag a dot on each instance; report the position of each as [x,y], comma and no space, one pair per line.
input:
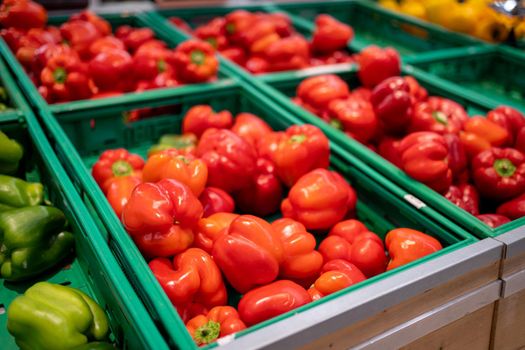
[180,142]
[18,193]
[52,316]
[11,153]
[32,240]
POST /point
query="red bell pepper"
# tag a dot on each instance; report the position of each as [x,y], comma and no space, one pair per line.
[296,151]
[493,220]
[193,277]
[336,275]
[195,62]
[30,42]
[106,43]
[231,161]
[376,65]
[219,322]
[119,191]
[272,300]
[214,200]
[388,148]
[160,217]
[66,78]
[257,65]
[211,228]
[147,64]
[392,102]
[319,200]
[100,23]
[12,37]
[258,36]
[464,196]
[480,134]
[439,115]
[80,35]
[250,127]
[253,244]
[170,164]
[457,156]
[134,38]
[330,34]
[513,209]
[510,119]
[110,70]
[116,163]
[237,22]
[181,24]
[235,54]
[202,117]
[213,32]
[424,158]
[406,245]
[317,92]
[22,14]
[499,173]
[287,54]
[357,116]
[301,260]
[417,92]
[263,196]
[282,23]
[520,140]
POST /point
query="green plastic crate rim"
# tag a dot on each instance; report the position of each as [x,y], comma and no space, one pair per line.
[492,73]
[283,86]
[79,139]
[135,20]
[92,268]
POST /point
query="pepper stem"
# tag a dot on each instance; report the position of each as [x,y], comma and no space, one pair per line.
[440,117]
[207,333]
[121,168]
[504,167]
[336,123]
[161,66]
[212,41]
[60,75]
[297,138]
[198,57]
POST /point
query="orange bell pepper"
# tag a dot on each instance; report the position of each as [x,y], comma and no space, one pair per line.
[406,245]
[119,191]
[481,134]
[170,164]
[211,228]
[219,322]
[336,275]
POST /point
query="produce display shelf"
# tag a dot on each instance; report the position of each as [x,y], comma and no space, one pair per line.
[491,73]
[92,269]
[465,264]
[134,20]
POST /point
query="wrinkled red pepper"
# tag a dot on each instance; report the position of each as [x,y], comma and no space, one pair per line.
[464,196]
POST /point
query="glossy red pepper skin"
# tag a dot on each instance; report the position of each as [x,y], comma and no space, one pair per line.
[195,62]
[235,54]
[287,54]
[335,275]
[513,209]
[193,277]
[135,37]
[231,161]
[263,196]
[219,322]
[211,228]
[202,117]
[149,63]
[80,35]
[388,148]
[439,115]
[481,133]
[119,191]
[296,151]
[301,261]
[499,173]
[493,220]
[100,23]
[236,23]
[272,300]
[30,42]
[520,140]
[22,14]
[357,116]
[417,92]
[106,43]
[258,36]
[160,217]
[110,70]
[424,158]
[376,65]
[115,163]
[253,244]
[457,156]
[406,245]
[213,33]
[392,102]
[317,92]
[464,196]
[330,34]
[12,37]
[509,118]
[214,200]
[251,128]
[180,23]
[257,65]
[319,200]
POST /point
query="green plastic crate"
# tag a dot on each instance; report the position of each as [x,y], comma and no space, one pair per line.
[80,138]
[134,20]
[494,73]
[92,268]
[281,87]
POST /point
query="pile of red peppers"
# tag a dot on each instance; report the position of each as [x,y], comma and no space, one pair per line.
[267,42]
[478,162]
[195,208]
[84,58]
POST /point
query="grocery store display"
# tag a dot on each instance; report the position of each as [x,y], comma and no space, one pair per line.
[83,59]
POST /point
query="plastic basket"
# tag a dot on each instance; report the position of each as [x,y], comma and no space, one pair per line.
[283,86]
[494,74]
[134,20]
[93,269]
[80,138]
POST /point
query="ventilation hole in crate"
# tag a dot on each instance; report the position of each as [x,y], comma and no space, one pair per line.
[66,283]
[2,309]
